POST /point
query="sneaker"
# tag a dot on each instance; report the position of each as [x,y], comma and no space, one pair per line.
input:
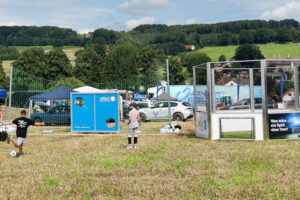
[129,146]
[9,139]
[135,146]
[19,155]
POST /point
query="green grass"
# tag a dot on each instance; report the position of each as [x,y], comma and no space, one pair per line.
[269,50]
[22,48]
[49,47]
[237,134]
[164,167]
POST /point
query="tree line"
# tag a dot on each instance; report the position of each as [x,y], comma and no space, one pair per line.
[37,69]
[171,40]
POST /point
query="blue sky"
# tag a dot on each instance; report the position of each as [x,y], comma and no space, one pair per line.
[87,15]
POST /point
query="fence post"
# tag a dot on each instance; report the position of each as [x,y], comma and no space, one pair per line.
[263,66]
[169,93]
[10,91]
[195,96]
[209,99]
[252,99]
[296,84]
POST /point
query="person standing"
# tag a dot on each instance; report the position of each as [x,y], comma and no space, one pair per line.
[133,126]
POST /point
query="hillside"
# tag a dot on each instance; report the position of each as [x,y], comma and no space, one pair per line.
[291,50]
[170,40]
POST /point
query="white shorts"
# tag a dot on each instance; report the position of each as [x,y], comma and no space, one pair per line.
[20,141]
[133,131]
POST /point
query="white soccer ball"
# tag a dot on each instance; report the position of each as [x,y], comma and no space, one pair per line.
[13,153]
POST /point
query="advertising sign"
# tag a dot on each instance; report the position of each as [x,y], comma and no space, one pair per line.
[185,93]
[95,112]
[202,125]
[83,112]
[284,126]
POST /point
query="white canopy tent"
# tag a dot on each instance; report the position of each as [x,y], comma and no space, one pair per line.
[92,90]
[89,89]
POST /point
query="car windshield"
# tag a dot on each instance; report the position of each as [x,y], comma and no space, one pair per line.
[258,100]
[60,109]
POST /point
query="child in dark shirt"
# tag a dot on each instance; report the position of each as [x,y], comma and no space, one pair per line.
[22,124]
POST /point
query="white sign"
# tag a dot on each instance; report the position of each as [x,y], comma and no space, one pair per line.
[202,125]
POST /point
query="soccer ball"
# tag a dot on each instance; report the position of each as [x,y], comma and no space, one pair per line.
[13,153]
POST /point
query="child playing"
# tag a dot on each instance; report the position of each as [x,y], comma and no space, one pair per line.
[22,125]
[133,126]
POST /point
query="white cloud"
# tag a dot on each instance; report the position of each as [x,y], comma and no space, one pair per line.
[134,23]
[289,10]
[140,7]
[191,21]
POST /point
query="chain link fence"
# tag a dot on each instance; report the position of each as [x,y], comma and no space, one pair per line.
[148,90]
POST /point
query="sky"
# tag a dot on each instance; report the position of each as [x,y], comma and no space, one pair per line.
[87,15]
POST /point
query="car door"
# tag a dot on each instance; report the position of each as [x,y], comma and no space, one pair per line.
[163,111]
[156,111]
[65,115]
[52,116]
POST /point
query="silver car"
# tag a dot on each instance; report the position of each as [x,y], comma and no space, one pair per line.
[180,111]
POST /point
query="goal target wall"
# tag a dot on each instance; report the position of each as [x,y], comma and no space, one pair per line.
[95,112]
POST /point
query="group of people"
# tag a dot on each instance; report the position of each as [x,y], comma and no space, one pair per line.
[23,123]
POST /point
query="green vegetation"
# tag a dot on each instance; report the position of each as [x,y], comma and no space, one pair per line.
[269,50]
[238,134]
[170,39]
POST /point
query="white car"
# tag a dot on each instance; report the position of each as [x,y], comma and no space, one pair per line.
[180,111]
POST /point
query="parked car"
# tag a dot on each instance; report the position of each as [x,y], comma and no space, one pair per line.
[126,107]
[246,103]
[180,111]
[59,115]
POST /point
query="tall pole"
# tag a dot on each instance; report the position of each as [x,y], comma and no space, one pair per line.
[263,66]
[296,84]
[169,93]
[10,92]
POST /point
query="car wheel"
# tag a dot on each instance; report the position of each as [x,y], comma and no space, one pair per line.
[178,117]
[143,117]
[37,119]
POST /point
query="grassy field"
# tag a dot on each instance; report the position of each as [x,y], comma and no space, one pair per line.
[269,50]
[69,50]
[66,166]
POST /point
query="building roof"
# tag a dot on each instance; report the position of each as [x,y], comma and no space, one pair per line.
[287,92]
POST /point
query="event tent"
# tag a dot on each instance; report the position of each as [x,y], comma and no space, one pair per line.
[59,93]
[165,96]
[89,89]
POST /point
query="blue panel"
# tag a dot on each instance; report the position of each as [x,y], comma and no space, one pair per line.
[83,116]
[107,108]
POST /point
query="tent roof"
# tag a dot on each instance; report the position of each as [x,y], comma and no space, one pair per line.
[59,93]
[165,97]
[3,93]
[89,89]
